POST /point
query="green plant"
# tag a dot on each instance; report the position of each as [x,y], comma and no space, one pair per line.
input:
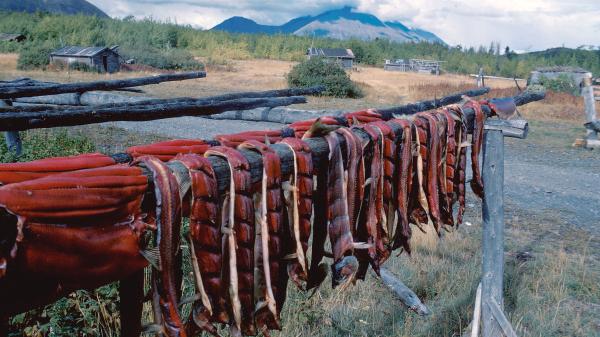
[171,59]
[562,83]
[44,144]
[319,71]
[34,56]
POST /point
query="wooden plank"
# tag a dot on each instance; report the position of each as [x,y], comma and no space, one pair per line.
[8,92]
[476,313]
[501,319]
[493,227]
[514,128]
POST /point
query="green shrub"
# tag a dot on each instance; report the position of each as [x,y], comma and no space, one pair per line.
[34,56]
[563,83]
[171,59]
[44,144]
[318,71]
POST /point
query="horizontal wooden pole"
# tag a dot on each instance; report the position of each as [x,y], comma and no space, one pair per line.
[498,77]
[319,149]
[17,121]
[15,91]
[102,100]
[413,108]
[286,116]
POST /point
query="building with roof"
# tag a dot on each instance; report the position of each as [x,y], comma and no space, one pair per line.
[103,59]
[416,65]
[345,57]
[576,74]
[12,37]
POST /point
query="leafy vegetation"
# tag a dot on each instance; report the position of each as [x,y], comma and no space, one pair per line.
[319,71]
[43,144]
[563,83]
[160,38]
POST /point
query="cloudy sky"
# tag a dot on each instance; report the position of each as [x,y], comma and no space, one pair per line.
[521,24]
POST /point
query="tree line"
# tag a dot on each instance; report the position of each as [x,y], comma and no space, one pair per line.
[165,44]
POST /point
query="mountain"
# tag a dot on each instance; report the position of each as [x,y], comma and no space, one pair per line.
[343,23]
[52,6]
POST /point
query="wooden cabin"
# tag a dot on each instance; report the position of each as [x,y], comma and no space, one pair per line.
[102,59]
[415,65]
[12,37]
[345,57]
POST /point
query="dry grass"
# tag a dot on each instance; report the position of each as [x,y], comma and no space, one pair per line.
[382,88]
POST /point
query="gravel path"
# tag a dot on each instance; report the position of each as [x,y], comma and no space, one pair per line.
[192,127]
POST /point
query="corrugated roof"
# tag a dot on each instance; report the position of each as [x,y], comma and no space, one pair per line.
[78,51]
[332,52]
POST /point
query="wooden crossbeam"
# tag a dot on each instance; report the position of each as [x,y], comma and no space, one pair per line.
[29,90]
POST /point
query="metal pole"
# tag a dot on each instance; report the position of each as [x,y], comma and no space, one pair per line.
[12,138]
[493,229]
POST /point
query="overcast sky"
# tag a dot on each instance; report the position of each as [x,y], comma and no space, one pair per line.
[521,24]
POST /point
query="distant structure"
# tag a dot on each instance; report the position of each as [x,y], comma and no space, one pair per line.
[103,59]
[416,65]
[575,73]
[12,37]
[345,57]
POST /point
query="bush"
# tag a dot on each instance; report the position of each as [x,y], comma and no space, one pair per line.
[170,59]
[563,83]
[34,56]
[318,71]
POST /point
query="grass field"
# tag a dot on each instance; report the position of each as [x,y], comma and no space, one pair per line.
[555,293]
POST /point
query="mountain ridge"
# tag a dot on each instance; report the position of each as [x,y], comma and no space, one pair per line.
[70,7]
[341,23]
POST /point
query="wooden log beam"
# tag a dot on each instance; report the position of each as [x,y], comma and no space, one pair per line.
[319,148]
[16,121]
[100,100]
[413,108]
[286,116]
[12,91]
[404,293]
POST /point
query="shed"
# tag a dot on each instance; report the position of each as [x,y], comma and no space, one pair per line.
[12,37]
[575,73]
[345,57]
[103,59]
[416,65]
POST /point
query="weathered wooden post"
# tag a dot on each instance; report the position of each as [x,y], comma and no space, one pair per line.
[587,91]
[493,228]
[12,138]
[494,321]
[480,78]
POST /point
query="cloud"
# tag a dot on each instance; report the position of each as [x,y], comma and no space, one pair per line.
[531,24]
